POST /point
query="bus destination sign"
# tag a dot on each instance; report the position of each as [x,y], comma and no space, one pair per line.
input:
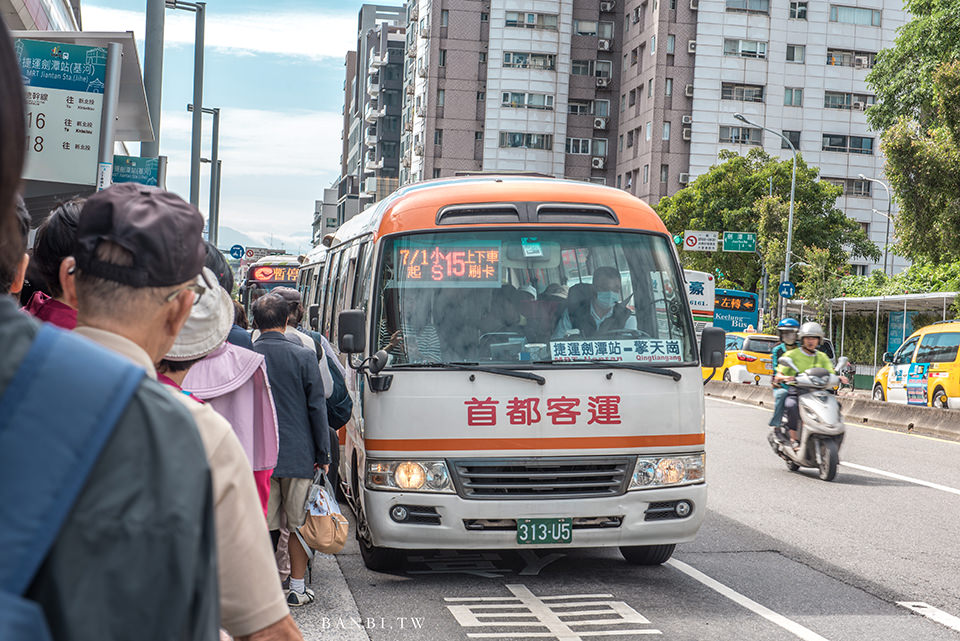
[461,265]
[274,274]
[741,303]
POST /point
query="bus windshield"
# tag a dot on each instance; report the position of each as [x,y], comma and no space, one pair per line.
[549,296]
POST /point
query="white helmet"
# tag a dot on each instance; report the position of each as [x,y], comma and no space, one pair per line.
[811,329]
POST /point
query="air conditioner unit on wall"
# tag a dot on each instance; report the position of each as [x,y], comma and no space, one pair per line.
[692,46]
[688,91]
[607,6]
[860,105]
[687,120]
[603,45]
[687,133]
[861,62]
[603,82]
[684,178]
[599,123]
[598,162]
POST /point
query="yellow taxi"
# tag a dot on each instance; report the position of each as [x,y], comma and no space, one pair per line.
[925,370]
[748,359]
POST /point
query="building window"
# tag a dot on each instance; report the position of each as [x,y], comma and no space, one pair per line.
[578,146]
[671,44]
[599,146]
[653,45]
[436,173]
[603,69]
[664,173]
[528,100]
[668,87]
[858,270]
[798,10]
[795,53]
[745,48]
[841,100]
[745,93]
[481,95]
[632,100]
[521,19]
[650,89]
[630,138]
[478,135]
[511,139]
[793,97]
[441,96]
[442,58]
[623,102]
[741,135]
[618,175]
[483,57]
[646,174]
[484,17]
[581,67]
[855,15]
[648,131]
[620,143]
[793,137]
[848,144]
[860,189]
[749,6]
[848,58]
[526,60]
[666,131]
[438,136]
[634,55]
[600,108]
[444,18]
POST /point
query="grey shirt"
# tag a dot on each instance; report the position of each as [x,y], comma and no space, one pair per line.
[136,557]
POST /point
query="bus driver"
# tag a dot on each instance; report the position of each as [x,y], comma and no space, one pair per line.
[597,308]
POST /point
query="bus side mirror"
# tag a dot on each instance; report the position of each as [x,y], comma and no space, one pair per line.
[313,317]
[887,357]
[712,344]
[351,327]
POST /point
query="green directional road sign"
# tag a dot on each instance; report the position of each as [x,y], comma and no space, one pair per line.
[739,241]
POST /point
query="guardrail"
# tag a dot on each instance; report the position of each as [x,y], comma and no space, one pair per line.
[930,421]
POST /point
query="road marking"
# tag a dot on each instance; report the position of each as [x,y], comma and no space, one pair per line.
[789,625]
[885,430]
[900,477]
[560,617]
[932,613]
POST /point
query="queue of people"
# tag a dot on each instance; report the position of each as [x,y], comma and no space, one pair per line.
[165,525]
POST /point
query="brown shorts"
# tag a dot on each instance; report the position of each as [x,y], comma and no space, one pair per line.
[289,495]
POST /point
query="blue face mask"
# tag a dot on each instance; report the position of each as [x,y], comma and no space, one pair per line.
[607,300]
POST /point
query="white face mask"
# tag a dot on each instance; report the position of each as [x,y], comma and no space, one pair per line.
[606,300]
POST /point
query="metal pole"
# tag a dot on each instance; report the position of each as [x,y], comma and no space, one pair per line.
[886,243]
[876,338]
[108,115]
[903,331]
[215,178]
[153,72]
[843,325]
[215,228]
[199,8]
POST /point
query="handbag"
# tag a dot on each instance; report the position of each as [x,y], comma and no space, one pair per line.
[325,528]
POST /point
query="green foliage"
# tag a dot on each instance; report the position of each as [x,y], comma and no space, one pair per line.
[918,279]
[903,76]
[821,279]
[734,196]
[923,165]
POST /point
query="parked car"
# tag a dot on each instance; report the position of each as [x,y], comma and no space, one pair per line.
[925,370]
[748,359]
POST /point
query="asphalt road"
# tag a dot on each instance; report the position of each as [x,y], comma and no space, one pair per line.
[781,555]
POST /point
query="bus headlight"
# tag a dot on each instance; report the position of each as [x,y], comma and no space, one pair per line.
[662,471]
[409,476]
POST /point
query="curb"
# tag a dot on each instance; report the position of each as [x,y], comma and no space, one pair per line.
[929,421]
[334,615]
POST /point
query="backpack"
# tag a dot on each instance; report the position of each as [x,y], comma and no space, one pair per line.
[53,426]
[339,405]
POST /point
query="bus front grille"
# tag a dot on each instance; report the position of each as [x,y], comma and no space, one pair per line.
[525,478]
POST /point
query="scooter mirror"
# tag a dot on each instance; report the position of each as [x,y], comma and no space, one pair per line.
[786,360]
[842,362]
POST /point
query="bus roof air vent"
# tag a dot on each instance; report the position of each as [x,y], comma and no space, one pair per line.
[576,213]
[478,214]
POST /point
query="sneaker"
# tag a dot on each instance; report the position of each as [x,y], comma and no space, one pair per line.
[296,599]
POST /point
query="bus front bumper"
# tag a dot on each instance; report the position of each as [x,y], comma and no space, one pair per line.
[491,524]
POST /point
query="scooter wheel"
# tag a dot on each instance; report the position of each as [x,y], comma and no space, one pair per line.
[793,467]
[829,457]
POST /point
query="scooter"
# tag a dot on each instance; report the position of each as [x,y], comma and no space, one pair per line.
[821,424]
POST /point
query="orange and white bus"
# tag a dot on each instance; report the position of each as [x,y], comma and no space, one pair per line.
[526,373]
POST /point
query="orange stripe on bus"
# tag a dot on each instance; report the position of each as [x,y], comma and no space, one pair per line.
[557,443]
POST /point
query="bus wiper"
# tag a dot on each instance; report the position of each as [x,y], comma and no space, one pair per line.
[476,367]
[660,371]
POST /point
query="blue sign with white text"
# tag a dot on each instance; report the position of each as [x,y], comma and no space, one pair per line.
[237,251]
[56,65]
[787,289]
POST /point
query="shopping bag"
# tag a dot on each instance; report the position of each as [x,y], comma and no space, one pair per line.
[325,528]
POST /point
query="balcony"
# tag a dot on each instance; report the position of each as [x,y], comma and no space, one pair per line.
[373,88]
[376,61]
[370,139]
[425,31]
[372,113]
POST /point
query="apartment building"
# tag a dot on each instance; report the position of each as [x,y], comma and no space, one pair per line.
[799,68]
[495,86]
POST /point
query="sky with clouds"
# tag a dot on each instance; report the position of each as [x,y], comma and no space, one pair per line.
[277,76]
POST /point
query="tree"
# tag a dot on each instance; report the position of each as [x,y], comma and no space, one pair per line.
[733,196]
[821,279]
[923,165]
[903,75]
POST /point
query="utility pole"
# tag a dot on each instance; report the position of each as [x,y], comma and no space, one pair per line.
[198,8]
[153,72]
[214,160]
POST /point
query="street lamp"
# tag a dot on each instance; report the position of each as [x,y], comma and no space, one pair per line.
[214,213]
[793,189]
[886,241]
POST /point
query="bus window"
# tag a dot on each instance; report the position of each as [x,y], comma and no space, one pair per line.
[343,289]
[451,296]
[333,265]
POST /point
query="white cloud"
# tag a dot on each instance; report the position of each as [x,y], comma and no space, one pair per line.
[314,35]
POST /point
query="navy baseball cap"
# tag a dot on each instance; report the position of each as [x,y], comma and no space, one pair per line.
[162,232]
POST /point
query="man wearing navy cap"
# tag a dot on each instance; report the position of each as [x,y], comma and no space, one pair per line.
[133,279]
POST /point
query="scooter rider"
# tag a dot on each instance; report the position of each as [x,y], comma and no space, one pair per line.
[787,329]
[804,357]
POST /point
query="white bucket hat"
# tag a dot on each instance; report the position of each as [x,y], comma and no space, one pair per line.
[209,322]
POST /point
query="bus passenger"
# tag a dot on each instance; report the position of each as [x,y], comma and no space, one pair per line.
[597,308]
[416,340]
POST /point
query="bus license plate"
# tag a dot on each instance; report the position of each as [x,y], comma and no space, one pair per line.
[540,531]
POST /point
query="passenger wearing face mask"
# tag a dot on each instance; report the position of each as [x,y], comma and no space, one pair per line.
[596,309]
